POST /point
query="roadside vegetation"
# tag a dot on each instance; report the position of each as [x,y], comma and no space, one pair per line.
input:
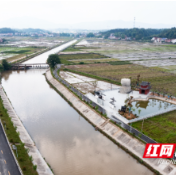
[23,158]
[53,59]
[5,65]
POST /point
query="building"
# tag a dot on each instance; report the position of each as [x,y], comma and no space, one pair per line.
[168,40]
[173,40]
[1,41]
[144,88]
[112,36]
[158,40]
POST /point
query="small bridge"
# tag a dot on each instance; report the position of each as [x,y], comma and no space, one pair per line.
[20,66]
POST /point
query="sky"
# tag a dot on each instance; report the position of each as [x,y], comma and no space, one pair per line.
[61,12]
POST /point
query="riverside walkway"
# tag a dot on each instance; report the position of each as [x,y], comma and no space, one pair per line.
[127,141]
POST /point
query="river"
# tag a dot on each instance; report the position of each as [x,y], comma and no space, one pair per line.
[65,139]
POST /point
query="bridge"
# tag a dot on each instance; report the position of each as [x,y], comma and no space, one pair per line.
[20,66]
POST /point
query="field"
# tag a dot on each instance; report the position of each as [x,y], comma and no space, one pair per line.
[161,128]
[146,54]
[67,58]
[18,47]
[12,53]
[91,61]
[160,80]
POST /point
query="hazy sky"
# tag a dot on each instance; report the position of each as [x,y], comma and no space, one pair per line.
[70,12]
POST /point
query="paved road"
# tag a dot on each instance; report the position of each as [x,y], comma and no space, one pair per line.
[8,165]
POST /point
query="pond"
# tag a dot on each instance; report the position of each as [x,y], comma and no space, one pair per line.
[143,108]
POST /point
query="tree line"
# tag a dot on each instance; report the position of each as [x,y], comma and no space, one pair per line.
[141,33]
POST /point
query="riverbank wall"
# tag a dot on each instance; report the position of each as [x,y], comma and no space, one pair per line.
[127,142]
[42,167]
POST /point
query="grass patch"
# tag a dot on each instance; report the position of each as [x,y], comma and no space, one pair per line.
[81,56]
[119,63]
[92,76]
[13,137]
[161,128]
[16,52]
[67,58]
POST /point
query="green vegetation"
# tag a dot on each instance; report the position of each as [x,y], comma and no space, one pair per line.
[119,63]
[13,136]
[53,59]
[71,49]
[16,52]
[7,30]
[5,64]
[92,76]
[93,61]
[168,33]
[160,80]
[81,56]
[161,128]
[137,33]
[89,35]
[67,58]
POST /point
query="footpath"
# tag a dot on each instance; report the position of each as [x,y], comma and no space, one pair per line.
[128,142]
[42,167]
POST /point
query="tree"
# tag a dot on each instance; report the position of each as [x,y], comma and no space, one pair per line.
[53,59]
[90,35]
[5,64]
[95,84]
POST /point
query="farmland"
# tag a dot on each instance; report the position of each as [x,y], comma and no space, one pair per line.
[160,80]
[13,53]
[18,47]
[160,128]
[67,58]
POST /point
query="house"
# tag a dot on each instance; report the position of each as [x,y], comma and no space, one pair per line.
[163,39]
[112,36]
[168,40]
[144,88]
[1,41]
[173,40]
[127,38]
[158,40]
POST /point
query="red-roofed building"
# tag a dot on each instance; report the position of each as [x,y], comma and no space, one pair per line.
[144,88]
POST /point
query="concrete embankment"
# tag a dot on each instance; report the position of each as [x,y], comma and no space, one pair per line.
[42,167]
[128,142]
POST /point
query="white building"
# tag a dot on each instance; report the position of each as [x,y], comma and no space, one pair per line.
[173,40]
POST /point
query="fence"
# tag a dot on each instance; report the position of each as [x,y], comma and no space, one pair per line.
[133,131]
[82,96]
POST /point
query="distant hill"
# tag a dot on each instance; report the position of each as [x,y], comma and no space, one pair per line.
[31,30]
[137,33]
[7,30]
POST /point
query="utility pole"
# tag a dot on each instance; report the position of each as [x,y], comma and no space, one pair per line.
[134,22]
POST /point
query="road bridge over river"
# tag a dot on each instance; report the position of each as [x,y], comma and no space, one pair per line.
[25,66]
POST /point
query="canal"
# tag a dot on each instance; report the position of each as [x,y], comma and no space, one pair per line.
[65,139]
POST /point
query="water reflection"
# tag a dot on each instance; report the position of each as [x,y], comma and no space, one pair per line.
[151,106]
